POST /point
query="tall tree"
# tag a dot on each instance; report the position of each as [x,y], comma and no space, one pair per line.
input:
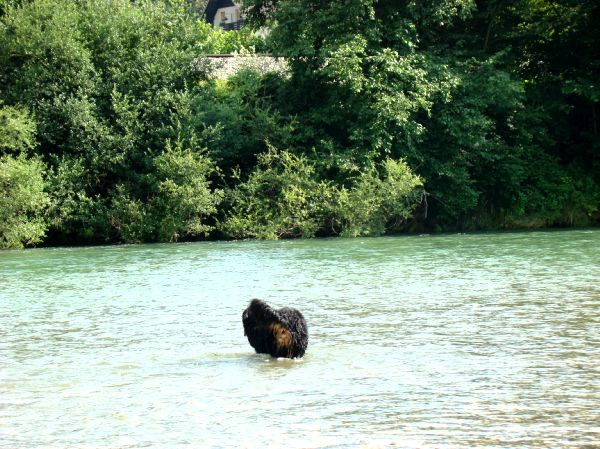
[463,89]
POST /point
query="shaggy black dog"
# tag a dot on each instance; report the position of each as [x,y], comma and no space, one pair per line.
[281,333]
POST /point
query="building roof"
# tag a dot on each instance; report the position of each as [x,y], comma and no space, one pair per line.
[213,6]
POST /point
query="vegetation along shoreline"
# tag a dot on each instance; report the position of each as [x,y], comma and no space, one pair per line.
[372,118]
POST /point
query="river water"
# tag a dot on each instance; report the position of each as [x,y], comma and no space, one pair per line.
[452,341]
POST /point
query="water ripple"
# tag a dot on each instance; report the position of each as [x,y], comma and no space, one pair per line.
[482,341]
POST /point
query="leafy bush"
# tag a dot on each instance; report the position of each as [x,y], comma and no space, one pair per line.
[377,204]
[22,201]
[183,199]
[176,203]
[281,198]
[243,118]
[17,130]
[284,197]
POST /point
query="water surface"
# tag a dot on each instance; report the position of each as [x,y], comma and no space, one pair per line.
[455,341]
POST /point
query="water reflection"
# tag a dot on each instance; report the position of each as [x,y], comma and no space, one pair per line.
[439,341]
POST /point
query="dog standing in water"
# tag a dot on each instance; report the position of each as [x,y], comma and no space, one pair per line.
[278,332]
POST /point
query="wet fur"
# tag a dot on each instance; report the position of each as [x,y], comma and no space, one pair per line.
[278,332]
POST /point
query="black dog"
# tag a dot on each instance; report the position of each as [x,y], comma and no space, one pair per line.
[280,333]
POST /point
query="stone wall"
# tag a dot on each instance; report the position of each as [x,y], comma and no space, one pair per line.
[224,66]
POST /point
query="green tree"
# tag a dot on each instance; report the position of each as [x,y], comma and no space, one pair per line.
[485,99]
[241,117]
[550,47]
[109,84]
[489,106]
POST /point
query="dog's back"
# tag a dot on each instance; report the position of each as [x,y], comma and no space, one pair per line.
[280,333]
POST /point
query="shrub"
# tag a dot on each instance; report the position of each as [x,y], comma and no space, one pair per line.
[22,201]
[376,204]
[281,198]
[17,130]
[284,197]
[182,199]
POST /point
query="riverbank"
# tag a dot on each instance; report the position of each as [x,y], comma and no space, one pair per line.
[116,128]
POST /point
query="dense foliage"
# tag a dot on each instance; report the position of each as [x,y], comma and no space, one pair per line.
[22,200]
[112,90]
[493,103]
[395,115]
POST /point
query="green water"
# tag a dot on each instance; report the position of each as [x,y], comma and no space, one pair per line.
[481,341]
